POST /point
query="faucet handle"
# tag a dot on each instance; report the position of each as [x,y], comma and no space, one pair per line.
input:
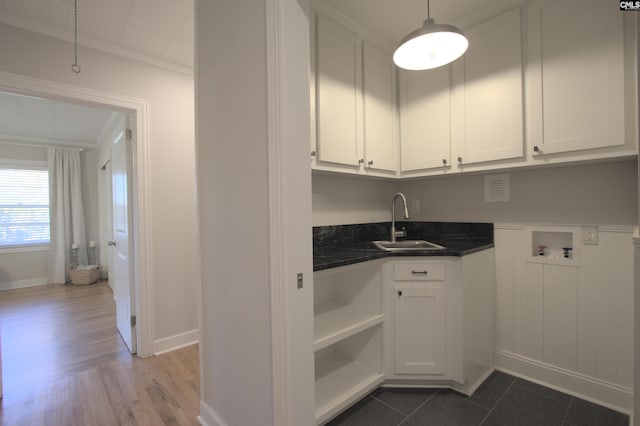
[401,234]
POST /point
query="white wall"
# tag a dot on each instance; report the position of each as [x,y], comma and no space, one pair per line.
[569,326]
[15,151]
[254,196]
[596,193]
[232,174]
[340,200]
[171,157]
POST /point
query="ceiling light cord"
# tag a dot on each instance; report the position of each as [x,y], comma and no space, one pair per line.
[75,67]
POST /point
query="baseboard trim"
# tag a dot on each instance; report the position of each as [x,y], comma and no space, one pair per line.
[177,341]
[209,417]
[34,282]
[598,391]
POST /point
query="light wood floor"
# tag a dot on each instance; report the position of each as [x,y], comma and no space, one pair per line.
[65,364]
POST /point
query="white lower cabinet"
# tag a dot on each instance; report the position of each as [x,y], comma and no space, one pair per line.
[416,321]
[419,320]
[439,321]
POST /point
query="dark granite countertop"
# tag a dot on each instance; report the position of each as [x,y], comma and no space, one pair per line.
[342,245]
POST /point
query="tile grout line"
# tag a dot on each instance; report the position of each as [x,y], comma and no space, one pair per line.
[474,403]
[566,413]
[418,407]
[497,402]
[390,406]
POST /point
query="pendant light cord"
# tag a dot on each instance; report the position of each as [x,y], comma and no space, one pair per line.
[428,10]
[75,67]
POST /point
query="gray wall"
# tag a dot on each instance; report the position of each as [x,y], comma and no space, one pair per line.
[597,194]
[605,193]
[340,200]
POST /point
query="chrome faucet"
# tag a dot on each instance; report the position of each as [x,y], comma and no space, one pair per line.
[395,233]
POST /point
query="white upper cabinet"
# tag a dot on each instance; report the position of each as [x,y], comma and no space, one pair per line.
[575,76]
[380,113]
[425,119]
[338,93]
[552,82]
[487,95]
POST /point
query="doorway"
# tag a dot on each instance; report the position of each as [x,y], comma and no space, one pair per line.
[137,110]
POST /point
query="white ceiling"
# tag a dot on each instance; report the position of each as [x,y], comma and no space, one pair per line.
[33,120]
[162,31]
[393,19]
[159,31]
[155,31]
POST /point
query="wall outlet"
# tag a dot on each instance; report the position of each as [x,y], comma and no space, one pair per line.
[415,206]
[590,235]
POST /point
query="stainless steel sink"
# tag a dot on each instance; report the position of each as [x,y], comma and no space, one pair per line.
[408,245]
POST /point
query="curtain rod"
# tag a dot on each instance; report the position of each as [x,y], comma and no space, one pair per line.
[40,145]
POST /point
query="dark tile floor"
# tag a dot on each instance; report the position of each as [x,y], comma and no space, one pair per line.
[502,400]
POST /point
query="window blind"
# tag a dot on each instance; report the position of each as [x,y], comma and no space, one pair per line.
[24,207]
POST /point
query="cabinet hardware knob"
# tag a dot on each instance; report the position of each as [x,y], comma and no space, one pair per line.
[370,163]
[313,153]
[444,161]
[536,149]
[459,159]
[419,272]
[360,161]
[399,292]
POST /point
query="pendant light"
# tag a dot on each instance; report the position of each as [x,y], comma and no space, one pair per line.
[431,46]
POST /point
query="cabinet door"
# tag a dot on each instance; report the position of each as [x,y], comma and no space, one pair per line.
[425,119]
[380,128]
[487,102]
[338,97]
[419,328]
[575,75]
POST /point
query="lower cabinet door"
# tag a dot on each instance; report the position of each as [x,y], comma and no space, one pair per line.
[419,328]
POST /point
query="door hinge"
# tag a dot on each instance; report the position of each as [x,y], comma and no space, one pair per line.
[129,134]
[133,320]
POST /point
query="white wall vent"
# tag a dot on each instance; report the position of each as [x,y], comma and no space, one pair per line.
[496,188]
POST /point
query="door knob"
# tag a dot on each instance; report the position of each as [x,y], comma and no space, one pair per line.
[111,243]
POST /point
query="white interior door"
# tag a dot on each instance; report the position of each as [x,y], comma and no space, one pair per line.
[121,245]
[106,222]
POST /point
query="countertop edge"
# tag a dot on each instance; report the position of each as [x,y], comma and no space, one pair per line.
[381,254]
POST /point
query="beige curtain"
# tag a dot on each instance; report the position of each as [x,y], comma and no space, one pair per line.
[66,211]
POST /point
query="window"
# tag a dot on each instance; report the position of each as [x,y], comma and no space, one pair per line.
[24,207]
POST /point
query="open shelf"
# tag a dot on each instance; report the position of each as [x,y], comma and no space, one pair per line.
[335,321]
[345,303]
[346,371]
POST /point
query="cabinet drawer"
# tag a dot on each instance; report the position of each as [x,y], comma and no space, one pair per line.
[418,272]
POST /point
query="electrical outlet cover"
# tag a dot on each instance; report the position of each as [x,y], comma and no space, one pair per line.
[590,235]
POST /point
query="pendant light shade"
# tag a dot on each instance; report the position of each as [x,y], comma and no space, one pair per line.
[431,46]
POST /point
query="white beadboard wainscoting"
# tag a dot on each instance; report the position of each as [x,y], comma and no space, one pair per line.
[567,323]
